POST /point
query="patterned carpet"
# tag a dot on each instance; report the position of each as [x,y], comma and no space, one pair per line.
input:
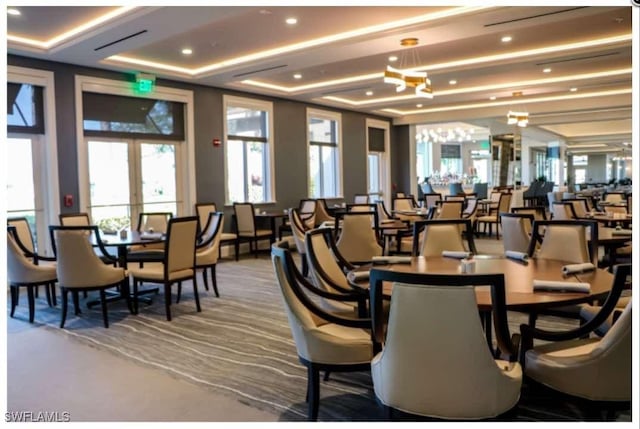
[241,345]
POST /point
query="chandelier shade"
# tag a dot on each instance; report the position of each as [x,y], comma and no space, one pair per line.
[519,118]
[409,78]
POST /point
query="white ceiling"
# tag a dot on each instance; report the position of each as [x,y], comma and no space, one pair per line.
[341,53]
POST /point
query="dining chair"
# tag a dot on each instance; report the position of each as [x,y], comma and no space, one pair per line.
[516,230]
[327,269]
[24,239]
[565,240]
[359,236]
[246,229]
[432,237]
[22,272]
[403,204]
[208,250]
[433,358]
[614,197]
[226,238]
[361,199]
[324,340]
[79,269]
[74,219]
[561,210]
[299,229]
[156,222]
[322,212]
[580,207]
[178,264]
[480,189]
[450,210]
[493,218]
[431,200]
[538,212]
[597,371]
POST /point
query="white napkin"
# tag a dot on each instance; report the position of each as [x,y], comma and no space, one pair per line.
[556,286]
[360,275]
[456,254]
[328,224]
[577,268]
[391,259]
[150,235]
[520,256]
[621,232]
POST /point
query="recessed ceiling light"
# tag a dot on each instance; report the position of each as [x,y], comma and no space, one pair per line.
[187,51]
[506,39]
[547,70]
[573,89]
[418,105]
[14,12]
[453,82]
[297,76]
[393,58]
[291,21]
[369,93]
[492,97]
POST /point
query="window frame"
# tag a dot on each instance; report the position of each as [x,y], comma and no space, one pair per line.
[337,118]
[269,162]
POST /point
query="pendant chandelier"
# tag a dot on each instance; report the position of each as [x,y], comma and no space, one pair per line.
[408,77]
[520,118]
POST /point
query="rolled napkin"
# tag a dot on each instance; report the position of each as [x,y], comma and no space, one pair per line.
[621,232]
[520,256]
[360,275]
[391,259]
[328,224]
[556,286]
[456,254]
[577,268]
[150,235]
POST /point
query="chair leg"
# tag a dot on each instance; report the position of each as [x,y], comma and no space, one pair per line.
[214,280]
[204,278]
[65,304]
[76,302]
[305,266]
[48,293]
[313,392]
[179,292]
[387,411]
[195,293]
[135,296]
[167,300]
[237,248]
[124,289]
[14,298]
[103,305]
[52,286]
[326,375]
[32,307]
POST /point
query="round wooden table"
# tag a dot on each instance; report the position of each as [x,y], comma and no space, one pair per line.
[519,277]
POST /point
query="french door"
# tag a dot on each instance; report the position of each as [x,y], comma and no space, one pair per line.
[374,175]
[129,176]
[26,183]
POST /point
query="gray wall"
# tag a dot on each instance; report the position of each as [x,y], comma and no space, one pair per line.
[597,168]
[400,159]
[289,130]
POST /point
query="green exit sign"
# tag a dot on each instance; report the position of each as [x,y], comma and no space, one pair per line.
[145,83]
[485,145]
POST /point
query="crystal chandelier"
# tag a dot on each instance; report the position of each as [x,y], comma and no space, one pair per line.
[409,78]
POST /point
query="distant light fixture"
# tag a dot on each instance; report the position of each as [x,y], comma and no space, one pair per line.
[493,97]
[393,58]
[187,51]
[626,143]
[408,77]
[507,39]
[519,118]
[369,93]
[573,89]
[453,82]
[14,12]
[418,105]
[297,76]
[547,70]
[291,21]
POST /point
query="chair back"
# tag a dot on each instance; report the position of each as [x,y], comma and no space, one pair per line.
[362,207]
[435,357]
[565,240]
[325,261]
[156,221]
[74,219]
[77,263]
[322,213]
[383,214]
[211,237]
[23,232]
[404,203]
[21,269]
[180,247]
[298,230]
[562,211]
[432,237]
[426,188]
[504,203]
[450,210]
[307,206]
[202,211]
[614,197]
[455,189]
[471,208]
[358,241]
[432,200]
[538,212]
[580,207]
[361,199]
[480,189]
[615,209]
[516,228]
[245,218]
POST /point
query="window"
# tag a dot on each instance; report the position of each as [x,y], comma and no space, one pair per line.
[25,108]
[325,172]
[450,161]
[249,153]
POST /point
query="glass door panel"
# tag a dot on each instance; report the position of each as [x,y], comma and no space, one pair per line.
[158,177]
[21,192]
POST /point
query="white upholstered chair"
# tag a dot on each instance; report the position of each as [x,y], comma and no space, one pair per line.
[208,250]
[322,212]
[298,230]
[450,210]
[22,272]
[324,341]
[516,230]
[493,218]
[358,241]
[178,264]
[24,239]
[595,369]
[361,199]
[432,237]
[435,360]
[562,211]
[246,229]
[431,200]
[156,222]
[74,219]
[79,269]
[565,240]
[226,238]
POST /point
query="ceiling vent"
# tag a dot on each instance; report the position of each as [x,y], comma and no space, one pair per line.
[130,36]
[541,15]
[566,60]
[260,70]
